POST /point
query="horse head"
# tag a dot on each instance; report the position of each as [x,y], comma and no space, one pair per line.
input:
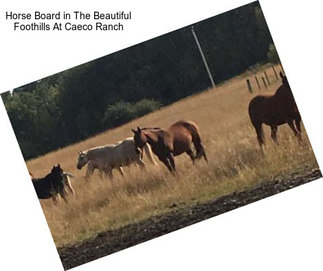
[284,92]
[140,139]
[82,160]
[57,171]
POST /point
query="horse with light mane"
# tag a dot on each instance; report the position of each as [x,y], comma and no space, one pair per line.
[113,156]
[174,141]
[275,110]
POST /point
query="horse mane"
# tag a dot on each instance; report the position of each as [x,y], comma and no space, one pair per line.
[284,90]
[48,176]
[91,150]
[152,134]
[150,128]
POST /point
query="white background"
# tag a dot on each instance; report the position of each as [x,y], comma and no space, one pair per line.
[283,232]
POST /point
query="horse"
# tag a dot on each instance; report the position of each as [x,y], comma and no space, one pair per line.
[174,141]
[275,110]
[112,156]
[53,184]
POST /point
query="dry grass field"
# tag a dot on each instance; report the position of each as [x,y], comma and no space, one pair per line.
[235,163]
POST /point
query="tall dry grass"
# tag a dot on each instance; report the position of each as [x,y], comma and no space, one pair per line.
[235,163]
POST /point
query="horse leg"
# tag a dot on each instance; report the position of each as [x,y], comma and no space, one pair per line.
[172,163]
[108,172]
[298,127]
[274,133]
[191,155]
[121,171]
[141,164]
[292,126]
[69,186]
[64,197]
[166,162]
[101,171]
[170,158]
[54,199]
[259,131]
[89,171]
[149,154]
[204,154]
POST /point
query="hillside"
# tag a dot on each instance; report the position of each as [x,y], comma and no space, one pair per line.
[235,164]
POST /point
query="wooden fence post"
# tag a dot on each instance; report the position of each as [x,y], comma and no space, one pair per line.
[282,67]
[263,80]
[249,85]
[275,72]
[267,78]
[257,82]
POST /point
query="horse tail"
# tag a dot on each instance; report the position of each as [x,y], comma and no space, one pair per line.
[148,151]
[196,139]
[69,174]
[67,181]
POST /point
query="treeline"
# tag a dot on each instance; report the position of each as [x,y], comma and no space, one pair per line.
[102,94]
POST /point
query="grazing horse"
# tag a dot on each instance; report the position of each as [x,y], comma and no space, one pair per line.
[53,184]
[112,156]
[275,110]
[174,141]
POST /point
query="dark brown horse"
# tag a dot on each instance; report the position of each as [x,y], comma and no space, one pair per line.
[174,141]
[275,110]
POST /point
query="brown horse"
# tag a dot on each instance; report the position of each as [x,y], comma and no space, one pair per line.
[174,141]
[275,110]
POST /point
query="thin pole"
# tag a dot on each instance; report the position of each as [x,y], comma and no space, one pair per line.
[203,57]
[263,80]
[249,85]
[267,78]
[275,72]
[282,67]
[257,82]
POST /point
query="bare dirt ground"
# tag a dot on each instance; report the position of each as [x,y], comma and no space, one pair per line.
[108,242]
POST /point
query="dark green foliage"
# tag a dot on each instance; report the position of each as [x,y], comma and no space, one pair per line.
[88,99]
[122,112]
[272,54]
[145,106]
[36,120]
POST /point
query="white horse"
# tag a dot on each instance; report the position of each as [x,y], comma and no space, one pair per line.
[113,156]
